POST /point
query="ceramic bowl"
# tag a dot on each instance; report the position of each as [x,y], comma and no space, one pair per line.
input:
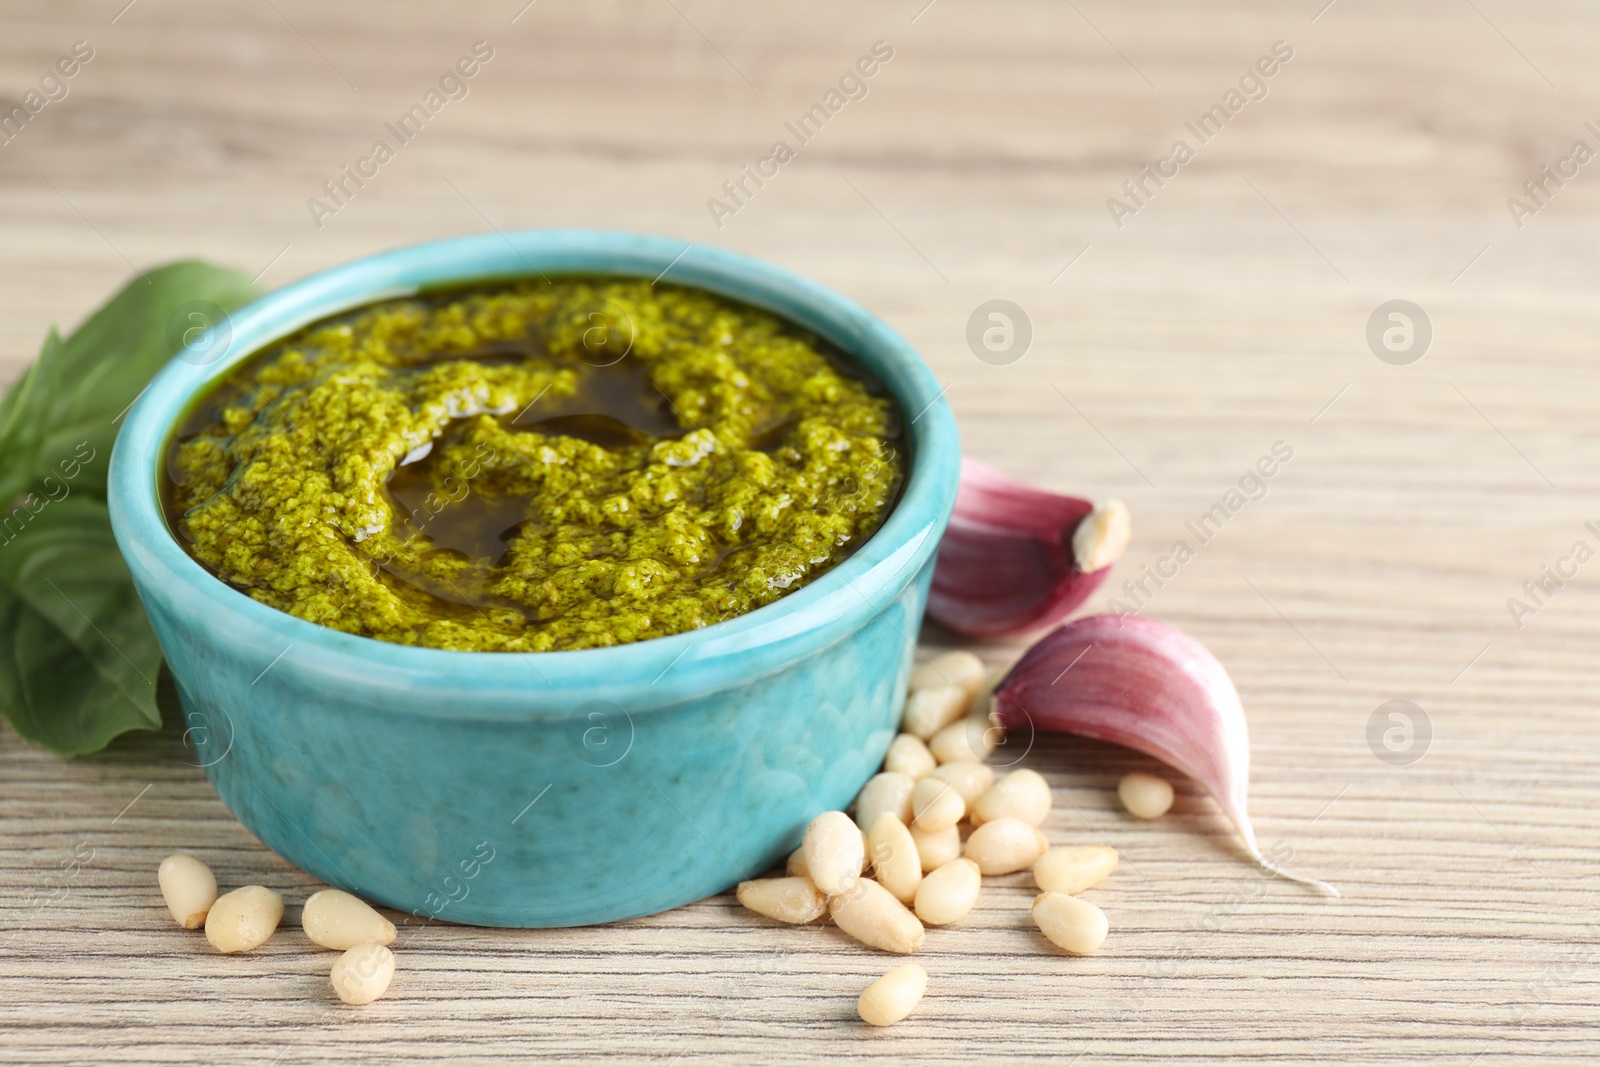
[558,788]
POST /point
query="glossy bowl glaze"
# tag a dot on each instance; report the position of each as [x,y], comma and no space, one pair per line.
[558,788]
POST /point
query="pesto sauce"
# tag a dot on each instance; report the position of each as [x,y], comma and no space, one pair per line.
[549,465]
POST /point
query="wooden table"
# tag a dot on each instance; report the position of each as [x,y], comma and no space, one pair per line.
[1227,312]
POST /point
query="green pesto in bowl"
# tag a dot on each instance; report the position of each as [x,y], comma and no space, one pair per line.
[553,464]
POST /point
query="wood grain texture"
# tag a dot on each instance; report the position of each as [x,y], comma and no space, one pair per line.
[1226,315]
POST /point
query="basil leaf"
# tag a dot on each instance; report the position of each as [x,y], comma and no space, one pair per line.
[50,699]
[65,567]
[19,435]
[10,674]
[70,402]
[168,701]
[79,664]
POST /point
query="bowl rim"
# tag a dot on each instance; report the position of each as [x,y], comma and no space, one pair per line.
[655,672]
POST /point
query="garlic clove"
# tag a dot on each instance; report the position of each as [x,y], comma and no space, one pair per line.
[1145,684]
[1015,558]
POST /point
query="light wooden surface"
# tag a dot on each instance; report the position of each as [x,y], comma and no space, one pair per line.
[1228,314]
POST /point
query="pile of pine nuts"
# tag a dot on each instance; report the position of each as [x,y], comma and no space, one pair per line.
[245,918]
[900,865]
[903,863]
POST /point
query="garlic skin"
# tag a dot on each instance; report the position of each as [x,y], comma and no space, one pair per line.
[1145,684]
[1016,559]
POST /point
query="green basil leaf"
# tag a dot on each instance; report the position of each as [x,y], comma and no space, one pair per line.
[19,434]
[14,402]
[49,697]
[69,404]
[79,664]
[64,565]
[168,701]
[11,698]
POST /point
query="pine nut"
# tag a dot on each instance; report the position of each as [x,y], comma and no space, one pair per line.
[1144,795]
[970,738]
[936,804]
[909,756]
[948,893]
[894,858]
[1072,924]
[930,710]
[959,668]
[970,778]
[789,900]
[887,792]
[243,919]
[363,974]
[1022,794]
[894,996]
[188,887]
[833,852]
[333,918]
[936,848]
[795,866]
[1005,845]
[870,914]
[983,700]
[1074,868]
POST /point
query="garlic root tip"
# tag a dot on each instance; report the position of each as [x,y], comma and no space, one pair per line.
[1326,888]
[1102,536]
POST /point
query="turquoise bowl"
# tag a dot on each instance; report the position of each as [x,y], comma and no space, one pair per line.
[558,788]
